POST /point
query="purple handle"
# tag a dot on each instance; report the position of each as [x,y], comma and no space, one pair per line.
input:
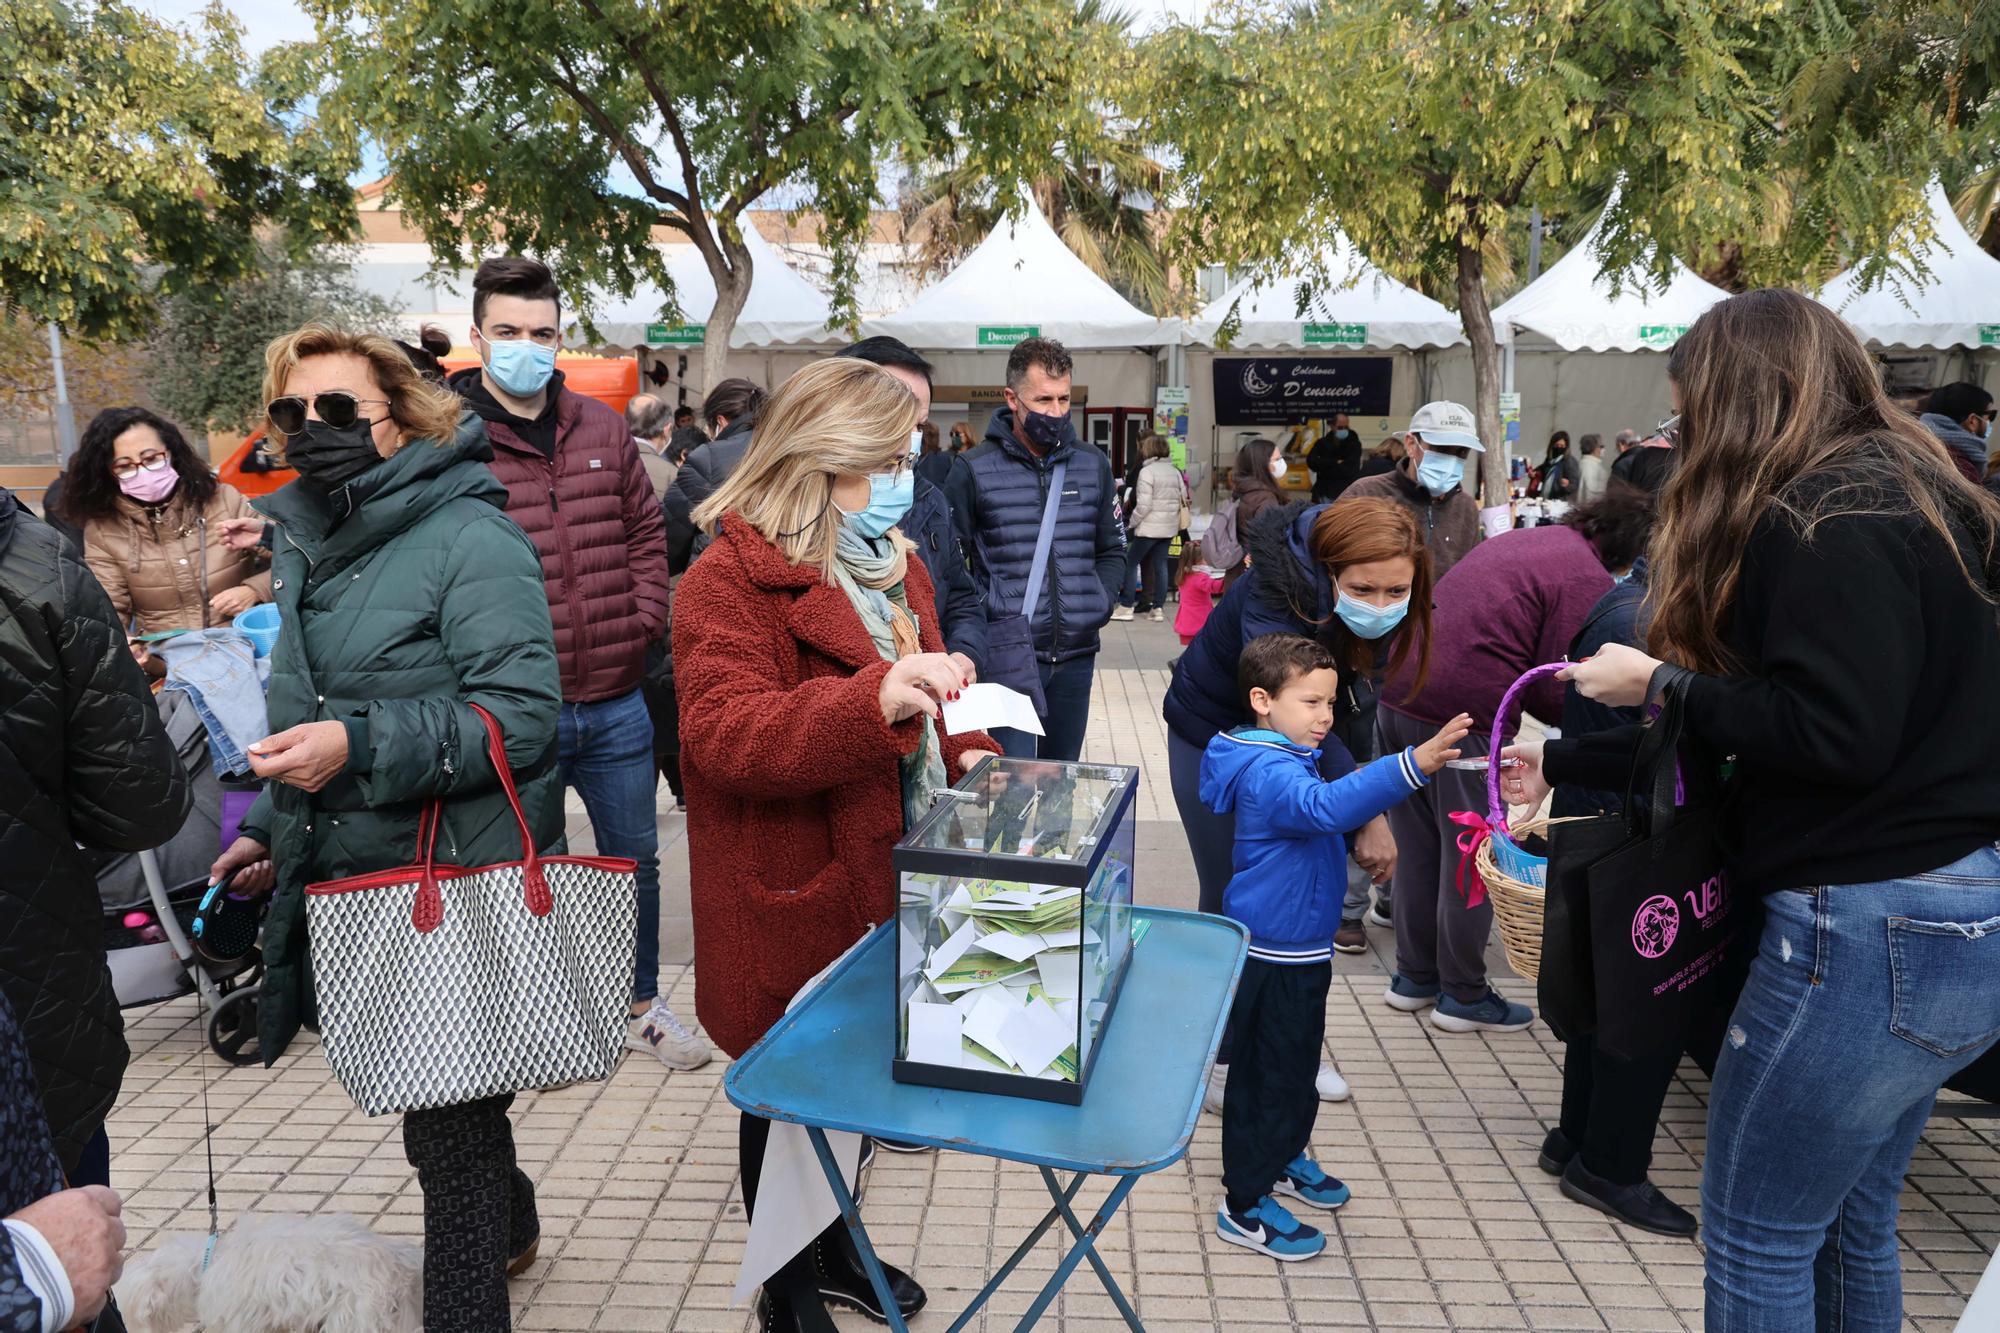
[1496,813]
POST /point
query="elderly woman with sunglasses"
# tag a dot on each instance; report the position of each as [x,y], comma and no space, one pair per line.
[155,522]
[406,597]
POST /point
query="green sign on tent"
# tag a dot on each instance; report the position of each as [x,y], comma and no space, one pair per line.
[676,335]
[1333,335]
[1989,335]
[1006,335]
[1661,335]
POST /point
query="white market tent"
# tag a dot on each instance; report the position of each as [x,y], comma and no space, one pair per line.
[1573,304]
[1022,279]
[1956,303]
[783,309]
[1362,307]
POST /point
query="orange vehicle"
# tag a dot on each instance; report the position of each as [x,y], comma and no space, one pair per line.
[611,380]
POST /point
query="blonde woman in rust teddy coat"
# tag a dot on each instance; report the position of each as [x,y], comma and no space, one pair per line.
[811,672]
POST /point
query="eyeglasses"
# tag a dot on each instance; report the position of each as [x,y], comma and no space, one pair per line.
[150,461]
[1669,430]
[335,407]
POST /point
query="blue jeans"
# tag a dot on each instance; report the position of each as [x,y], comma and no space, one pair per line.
[1862,1000]
[607,755]
[1066,691]
[1148,554]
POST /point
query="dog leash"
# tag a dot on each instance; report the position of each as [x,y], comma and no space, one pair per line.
[207,1134]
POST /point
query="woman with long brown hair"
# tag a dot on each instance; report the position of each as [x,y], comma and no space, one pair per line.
[1823,595]
[1355,575]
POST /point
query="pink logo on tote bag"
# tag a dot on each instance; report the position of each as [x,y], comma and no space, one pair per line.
[1655,925]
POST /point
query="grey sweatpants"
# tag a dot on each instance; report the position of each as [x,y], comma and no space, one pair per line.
[1438,938]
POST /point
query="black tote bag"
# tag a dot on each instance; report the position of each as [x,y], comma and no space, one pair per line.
[1010,640]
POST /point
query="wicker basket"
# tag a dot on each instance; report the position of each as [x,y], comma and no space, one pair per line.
[1517,904]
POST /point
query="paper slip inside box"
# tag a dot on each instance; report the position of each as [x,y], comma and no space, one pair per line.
[1036,1035]
[984,705]
[1061,974]
[988,1020]
[935,1034]
[950,951]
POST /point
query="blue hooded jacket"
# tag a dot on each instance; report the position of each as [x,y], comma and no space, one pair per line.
[1290,857]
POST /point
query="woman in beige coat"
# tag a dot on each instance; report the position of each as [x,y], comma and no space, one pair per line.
[152,515]
[1156,521]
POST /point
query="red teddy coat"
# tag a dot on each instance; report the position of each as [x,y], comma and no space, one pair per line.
[794,791]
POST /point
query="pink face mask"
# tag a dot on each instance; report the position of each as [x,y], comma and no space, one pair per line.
[150,487]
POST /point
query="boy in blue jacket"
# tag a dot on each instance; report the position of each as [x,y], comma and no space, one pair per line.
[1290,862]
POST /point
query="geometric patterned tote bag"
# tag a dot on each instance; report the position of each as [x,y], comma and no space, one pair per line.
[545,942]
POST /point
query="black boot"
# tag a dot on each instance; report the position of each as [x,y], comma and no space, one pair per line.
[1639,1205]
[788,1314]
[843,1281]
[1557,1153]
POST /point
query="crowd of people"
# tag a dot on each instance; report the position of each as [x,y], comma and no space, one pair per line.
[768,611]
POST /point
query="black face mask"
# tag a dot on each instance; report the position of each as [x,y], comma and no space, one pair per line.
[329,457]
[1045,432]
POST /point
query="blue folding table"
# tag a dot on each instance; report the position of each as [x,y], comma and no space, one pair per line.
[825,1065]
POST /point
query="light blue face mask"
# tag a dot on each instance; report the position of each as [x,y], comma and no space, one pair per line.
[1438,473]
[520,367]
[890,495]
[1626,577]
[1368,620]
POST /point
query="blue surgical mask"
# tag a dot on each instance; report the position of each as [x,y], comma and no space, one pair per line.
[1368,620]
[890,495]
[1438,473]
[521,368]
[1626,577]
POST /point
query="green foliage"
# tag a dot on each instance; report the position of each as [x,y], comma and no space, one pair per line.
[571,131]
[208,356]
[137,159]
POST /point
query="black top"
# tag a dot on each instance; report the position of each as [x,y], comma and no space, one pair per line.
[1863,724]
[539,432]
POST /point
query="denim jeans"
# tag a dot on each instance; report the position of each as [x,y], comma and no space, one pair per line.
[1862,1000]
[607,755]
[1147,554]
[1066,690]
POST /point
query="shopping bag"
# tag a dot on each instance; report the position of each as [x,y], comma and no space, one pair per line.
[1566,986]
[541,949]
[1666,924]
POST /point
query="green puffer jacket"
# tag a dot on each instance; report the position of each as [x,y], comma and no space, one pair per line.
[425,598]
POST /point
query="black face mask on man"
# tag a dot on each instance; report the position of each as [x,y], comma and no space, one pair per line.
[329,457]
[1045,431]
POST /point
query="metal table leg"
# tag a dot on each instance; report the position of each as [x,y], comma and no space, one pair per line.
[1085,1247]
[1089,1243]
[850,1213]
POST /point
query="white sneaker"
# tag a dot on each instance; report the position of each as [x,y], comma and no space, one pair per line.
[1211,1099]
[1330,1085]
[1121,613]
[1159,614]
[658,1031]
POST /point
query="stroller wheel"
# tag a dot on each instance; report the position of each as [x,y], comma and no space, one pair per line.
[232,1027]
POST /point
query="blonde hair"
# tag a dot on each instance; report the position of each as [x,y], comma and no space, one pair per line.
[838,417]
[423,410]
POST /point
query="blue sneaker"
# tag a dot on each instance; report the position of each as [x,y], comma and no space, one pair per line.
[1304,1181]
[1495,1013]
[1409,996]
[1269,1229]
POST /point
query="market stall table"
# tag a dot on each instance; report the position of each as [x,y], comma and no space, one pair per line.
[826,1065]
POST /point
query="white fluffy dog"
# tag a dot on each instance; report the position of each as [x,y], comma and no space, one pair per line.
[273,1272]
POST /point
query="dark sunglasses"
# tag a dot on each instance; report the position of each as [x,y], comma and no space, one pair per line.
[335,407]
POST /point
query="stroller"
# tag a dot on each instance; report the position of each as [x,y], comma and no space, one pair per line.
[167,932]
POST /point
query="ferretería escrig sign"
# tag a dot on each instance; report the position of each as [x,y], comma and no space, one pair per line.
[1278,390]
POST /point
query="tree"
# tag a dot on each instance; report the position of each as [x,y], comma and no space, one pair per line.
[1425,130]
[208,354]
[575,131]
[138,159]
[1098,196]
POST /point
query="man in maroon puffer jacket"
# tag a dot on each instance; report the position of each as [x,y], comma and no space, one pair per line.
[577,487]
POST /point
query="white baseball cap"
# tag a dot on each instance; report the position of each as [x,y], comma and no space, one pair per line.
[1447,423]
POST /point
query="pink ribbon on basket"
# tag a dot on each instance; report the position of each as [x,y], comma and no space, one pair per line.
[1477,833]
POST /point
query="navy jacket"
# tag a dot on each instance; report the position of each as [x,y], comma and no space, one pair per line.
[963,614]
[1290,858]
[997,490]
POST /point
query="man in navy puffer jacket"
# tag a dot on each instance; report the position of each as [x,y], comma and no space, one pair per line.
[998,489]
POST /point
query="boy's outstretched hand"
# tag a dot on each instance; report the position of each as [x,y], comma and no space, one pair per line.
[1440,749]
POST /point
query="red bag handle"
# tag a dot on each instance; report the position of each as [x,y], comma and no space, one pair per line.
[427,913]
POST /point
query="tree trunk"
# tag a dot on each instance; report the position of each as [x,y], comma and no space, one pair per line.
[729,265]
[1477,319]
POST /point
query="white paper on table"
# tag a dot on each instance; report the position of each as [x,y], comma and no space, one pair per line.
[984,705]
[950,951]
[989,1016]
[794,1201]
[1014,948]
[1036,1036]
[1059,981]
[934,1034]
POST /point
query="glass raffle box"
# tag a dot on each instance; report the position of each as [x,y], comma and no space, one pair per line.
[1014,928]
